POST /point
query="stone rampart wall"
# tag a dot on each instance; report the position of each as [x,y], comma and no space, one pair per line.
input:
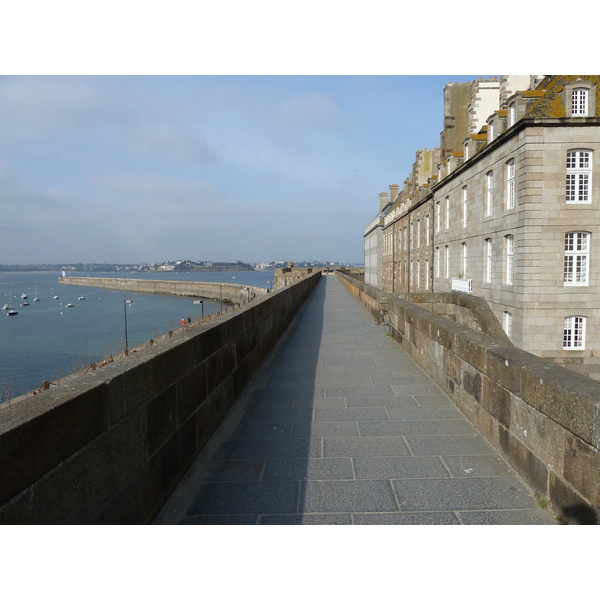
[544,418]
[227,292]
[109,447]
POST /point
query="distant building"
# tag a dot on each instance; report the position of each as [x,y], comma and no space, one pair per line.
[510,211]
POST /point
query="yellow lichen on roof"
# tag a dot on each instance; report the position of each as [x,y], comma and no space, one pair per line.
[534,93]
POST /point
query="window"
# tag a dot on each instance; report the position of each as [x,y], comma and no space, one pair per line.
[579,175]
[488,260]
[510,251]
[574,333]
[577,252]
[467,150]
[463,275]
[438,221]
[437,262]
[579,102]
[418,233]
[418,274]
[427,230]
[510,184]
[426,274]
[447,261]
[508,324]
[465,205]
[512,114]
[489,207]
[447,212]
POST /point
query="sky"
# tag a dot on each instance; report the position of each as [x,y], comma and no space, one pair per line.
[244,131]
[134,169]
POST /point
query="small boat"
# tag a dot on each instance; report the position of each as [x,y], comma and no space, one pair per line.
[24,303]
[81,298]
[24,296]
[70,305]
[11,312]
[6,307]
[36,299]
[56,297]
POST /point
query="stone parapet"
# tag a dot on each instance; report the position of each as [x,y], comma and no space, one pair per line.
[109,447]
[544,418]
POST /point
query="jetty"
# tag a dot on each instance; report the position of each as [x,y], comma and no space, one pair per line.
[219,292]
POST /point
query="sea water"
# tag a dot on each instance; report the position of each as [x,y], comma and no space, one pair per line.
[47,340]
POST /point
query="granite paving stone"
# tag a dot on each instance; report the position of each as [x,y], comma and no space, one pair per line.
[341,427]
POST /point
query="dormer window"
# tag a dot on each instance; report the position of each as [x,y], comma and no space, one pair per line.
[579,102]
[580,98]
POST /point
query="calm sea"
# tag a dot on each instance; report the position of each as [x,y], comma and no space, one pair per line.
[47,340]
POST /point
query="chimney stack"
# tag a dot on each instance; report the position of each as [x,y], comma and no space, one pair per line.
[394,190]
[383,200]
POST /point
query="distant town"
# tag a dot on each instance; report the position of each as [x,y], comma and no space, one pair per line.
[173,265]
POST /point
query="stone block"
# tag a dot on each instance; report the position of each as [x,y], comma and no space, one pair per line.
[172,363]
[497,401]
[46,431]
[63,495]
[572,508]
[191,393]
[582,468]
[569,398]
[161,418]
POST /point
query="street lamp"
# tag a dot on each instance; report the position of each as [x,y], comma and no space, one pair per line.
[125,303]
[269,282]
[200,302]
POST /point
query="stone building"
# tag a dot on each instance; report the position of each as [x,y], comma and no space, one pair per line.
[512,215]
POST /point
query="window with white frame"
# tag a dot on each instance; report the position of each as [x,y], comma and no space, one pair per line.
[465,205]
[464,260]
[510,252]
[579,175]
[438,216]
[488,260]
[512,114]
[426,274]
[447,212]
[510,184]
[418,233]
[418,274]
[437,262]
[466,146]
[447,262]
[579,102]
[574,333]
[427,230]
[577,254]
[508,324]
[489,205]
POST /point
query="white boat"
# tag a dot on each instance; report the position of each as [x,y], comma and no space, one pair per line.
[56,297]
[11,312]
[81,298]
[36,299]
[6,307]
[24,296]
[70,305]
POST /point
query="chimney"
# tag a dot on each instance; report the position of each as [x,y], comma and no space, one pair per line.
[383,200]
[394,189]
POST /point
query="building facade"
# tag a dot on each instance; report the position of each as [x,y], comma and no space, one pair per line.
[512,216]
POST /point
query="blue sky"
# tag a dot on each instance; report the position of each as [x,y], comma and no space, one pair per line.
[154,168]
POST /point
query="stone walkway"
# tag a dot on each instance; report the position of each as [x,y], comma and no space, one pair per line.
[340,426]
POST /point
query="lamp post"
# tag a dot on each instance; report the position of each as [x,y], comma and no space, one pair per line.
[269,282]
[125,303]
